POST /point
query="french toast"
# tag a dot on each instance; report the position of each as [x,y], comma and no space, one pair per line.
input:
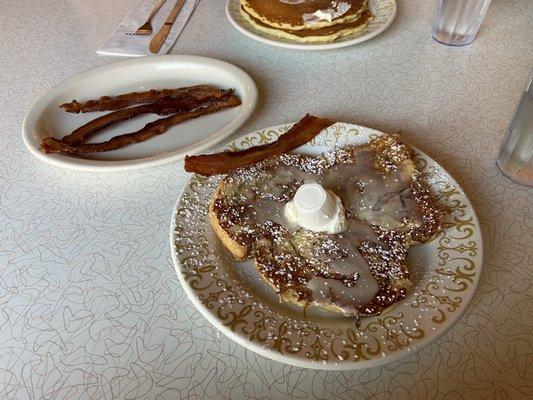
[360,271]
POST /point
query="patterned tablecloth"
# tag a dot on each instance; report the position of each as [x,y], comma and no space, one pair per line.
[90,306]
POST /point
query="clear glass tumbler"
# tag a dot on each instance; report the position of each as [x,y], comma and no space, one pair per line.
[516,155]
[457,21]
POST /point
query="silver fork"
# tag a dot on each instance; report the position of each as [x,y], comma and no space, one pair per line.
[146,28]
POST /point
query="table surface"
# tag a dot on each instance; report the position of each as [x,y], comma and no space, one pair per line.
[90,304]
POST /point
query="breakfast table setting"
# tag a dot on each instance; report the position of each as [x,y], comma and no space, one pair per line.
[275,199]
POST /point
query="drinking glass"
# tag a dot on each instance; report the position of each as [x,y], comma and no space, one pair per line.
[516,155]
[457,21]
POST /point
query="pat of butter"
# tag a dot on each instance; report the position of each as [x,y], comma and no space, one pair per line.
[337,9]
[316,209]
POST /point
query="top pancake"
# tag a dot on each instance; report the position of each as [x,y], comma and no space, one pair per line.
[300,14]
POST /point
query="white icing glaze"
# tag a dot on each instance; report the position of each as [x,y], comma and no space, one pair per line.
[369,197]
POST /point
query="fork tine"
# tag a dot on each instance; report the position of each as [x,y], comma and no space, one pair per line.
[145,29]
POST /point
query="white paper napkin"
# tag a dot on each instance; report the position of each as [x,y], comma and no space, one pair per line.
[120,44]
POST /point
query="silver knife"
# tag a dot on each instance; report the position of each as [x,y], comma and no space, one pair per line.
[160,37]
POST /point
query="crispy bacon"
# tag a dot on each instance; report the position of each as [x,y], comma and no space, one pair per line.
[221,163]
[162,107]
[53,145]
[106,103]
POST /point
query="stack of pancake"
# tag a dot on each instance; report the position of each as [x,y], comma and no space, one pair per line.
[307,21]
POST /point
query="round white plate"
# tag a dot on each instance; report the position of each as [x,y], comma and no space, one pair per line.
[231,295]
[139,74]
[384,12]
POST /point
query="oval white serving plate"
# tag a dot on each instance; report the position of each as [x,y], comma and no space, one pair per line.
[445,273]
[384,12]
[139,74]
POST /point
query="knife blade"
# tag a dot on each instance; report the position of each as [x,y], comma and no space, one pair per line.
[160,37]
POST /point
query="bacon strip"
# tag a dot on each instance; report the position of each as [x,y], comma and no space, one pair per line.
[162,107]
[106,103]
[222,163]
[53,145]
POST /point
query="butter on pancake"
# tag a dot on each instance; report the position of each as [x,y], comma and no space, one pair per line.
[304,14]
